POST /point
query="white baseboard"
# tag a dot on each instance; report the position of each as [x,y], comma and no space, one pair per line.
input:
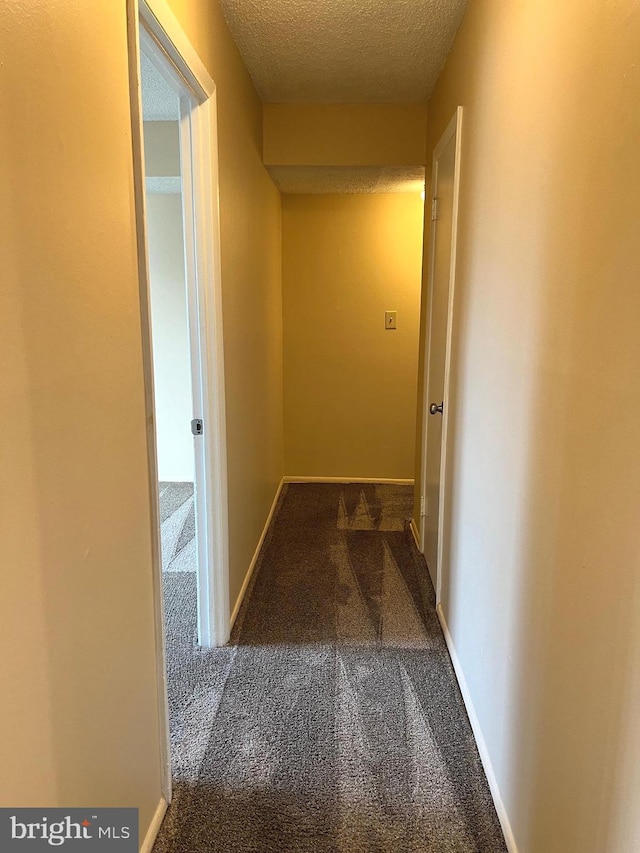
[416,535]
[154,827]
[480,741]
[254,559]
[382,480]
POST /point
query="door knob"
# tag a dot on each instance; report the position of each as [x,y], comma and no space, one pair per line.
[435,409]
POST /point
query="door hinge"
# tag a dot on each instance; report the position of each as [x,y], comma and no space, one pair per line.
[423,506]
[434,209]
[197,427]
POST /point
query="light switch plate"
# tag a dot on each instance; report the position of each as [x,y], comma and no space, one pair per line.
[390,320]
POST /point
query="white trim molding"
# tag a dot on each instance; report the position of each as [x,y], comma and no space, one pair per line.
[163,26]
[479,736]
[377,480]
[256,554]
[135,98]
[154,827]
[414,533]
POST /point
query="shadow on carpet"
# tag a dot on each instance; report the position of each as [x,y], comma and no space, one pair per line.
[332,721]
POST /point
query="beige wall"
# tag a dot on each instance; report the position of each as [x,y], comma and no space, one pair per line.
[350,385]
[344,134]
[545,548]
[78,690]
[252,296]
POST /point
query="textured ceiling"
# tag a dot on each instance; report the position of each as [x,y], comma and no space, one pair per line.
[159,101]
[347,179]
[344,51]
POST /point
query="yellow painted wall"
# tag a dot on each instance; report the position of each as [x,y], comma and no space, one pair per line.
[350,385]
[543,591]
[252,296]
[78,689]
[344,134]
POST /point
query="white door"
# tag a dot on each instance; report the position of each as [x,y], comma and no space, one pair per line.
[445,181]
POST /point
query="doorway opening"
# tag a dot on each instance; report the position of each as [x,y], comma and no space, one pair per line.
[176,406]
[176,191]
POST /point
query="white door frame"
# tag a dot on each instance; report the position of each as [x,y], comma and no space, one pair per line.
[454,129]
[151,23]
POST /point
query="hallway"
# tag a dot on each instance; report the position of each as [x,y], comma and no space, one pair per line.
[332,721]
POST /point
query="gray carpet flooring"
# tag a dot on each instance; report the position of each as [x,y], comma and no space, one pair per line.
[332,722]
[177,527]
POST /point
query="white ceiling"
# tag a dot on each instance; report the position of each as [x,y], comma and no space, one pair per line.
[344,51]
[348,179]
[159,101]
